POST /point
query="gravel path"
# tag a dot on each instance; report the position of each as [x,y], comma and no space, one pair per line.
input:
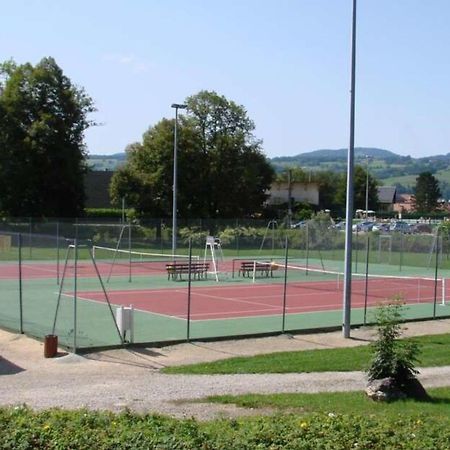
[120,379]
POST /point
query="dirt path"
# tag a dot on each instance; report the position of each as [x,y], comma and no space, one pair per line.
[117,379]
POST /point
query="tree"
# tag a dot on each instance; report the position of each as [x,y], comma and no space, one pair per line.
[222,171]
[43,117]
[359,185]
[426,193]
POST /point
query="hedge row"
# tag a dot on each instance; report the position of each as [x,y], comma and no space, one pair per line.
[21,428]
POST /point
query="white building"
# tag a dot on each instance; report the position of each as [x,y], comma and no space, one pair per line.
[300,192]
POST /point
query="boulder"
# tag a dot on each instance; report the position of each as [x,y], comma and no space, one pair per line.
[384,390]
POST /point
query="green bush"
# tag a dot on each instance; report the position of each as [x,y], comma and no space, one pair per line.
[392,357]
[21,428]
[103,212]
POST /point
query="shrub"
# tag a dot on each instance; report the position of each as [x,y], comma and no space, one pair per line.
[392,357]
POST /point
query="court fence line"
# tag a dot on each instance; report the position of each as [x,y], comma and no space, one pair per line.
[33,291]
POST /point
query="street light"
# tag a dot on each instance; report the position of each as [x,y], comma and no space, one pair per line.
[347,297]
[177,106]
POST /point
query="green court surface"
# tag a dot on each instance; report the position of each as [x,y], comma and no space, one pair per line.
[96,328]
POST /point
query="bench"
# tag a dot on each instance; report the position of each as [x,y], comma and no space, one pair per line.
[264,268]
[198,270]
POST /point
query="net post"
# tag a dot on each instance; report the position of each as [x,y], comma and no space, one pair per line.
[254,271]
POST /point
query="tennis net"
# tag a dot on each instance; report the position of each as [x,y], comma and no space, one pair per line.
[376,287]
[141,261]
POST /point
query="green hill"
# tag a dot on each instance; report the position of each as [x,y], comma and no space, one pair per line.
[388,167]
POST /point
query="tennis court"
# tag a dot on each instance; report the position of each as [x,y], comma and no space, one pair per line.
[76,294]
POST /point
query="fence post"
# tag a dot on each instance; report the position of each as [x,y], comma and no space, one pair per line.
[188,325]
[307,246]
[367,278]
[57,253]
[20,286]
[75,279]
[129,250]
[436,273]
[283,325]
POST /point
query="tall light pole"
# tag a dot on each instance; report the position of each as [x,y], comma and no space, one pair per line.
[177,106]
[347,303]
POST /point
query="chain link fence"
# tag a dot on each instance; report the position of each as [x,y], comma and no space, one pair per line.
[70,277]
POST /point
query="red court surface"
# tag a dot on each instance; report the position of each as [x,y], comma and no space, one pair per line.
[231,301]
[32,270]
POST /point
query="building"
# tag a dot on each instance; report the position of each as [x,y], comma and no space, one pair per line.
[387,197]
[299,192]
[404,203]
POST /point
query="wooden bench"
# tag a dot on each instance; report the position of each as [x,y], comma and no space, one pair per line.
[175,270]
[264,268]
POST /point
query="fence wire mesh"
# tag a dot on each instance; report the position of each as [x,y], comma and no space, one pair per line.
[69,277]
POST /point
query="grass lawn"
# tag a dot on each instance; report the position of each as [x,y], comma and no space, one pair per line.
[356,403]
[434,352]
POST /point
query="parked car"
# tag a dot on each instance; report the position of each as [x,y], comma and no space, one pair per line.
[401,227]
[421,228]
[338,226]
[363,226]
[300,224]
[381,227]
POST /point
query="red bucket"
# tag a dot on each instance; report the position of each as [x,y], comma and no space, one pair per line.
[50,346]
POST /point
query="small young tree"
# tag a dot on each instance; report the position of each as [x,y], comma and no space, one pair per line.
[392,357]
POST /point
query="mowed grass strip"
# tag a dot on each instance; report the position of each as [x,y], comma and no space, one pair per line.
[434,352]
[356,403]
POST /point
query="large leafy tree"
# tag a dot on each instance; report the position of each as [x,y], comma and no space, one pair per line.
[222,171]
[426,193]
[43,117]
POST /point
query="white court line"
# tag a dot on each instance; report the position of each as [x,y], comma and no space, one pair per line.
[85,299]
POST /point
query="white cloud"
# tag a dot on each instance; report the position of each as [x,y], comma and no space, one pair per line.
[136,64]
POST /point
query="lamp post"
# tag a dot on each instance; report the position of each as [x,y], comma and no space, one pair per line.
[177,106]
[346,303]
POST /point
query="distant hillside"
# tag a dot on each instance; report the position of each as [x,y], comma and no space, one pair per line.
[106,162]
[326,156]
[383,165]
[340,154]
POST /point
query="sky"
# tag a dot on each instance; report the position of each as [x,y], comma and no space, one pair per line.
[286,61]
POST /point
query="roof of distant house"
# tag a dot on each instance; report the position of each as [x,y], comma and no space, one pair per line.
[386,194]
